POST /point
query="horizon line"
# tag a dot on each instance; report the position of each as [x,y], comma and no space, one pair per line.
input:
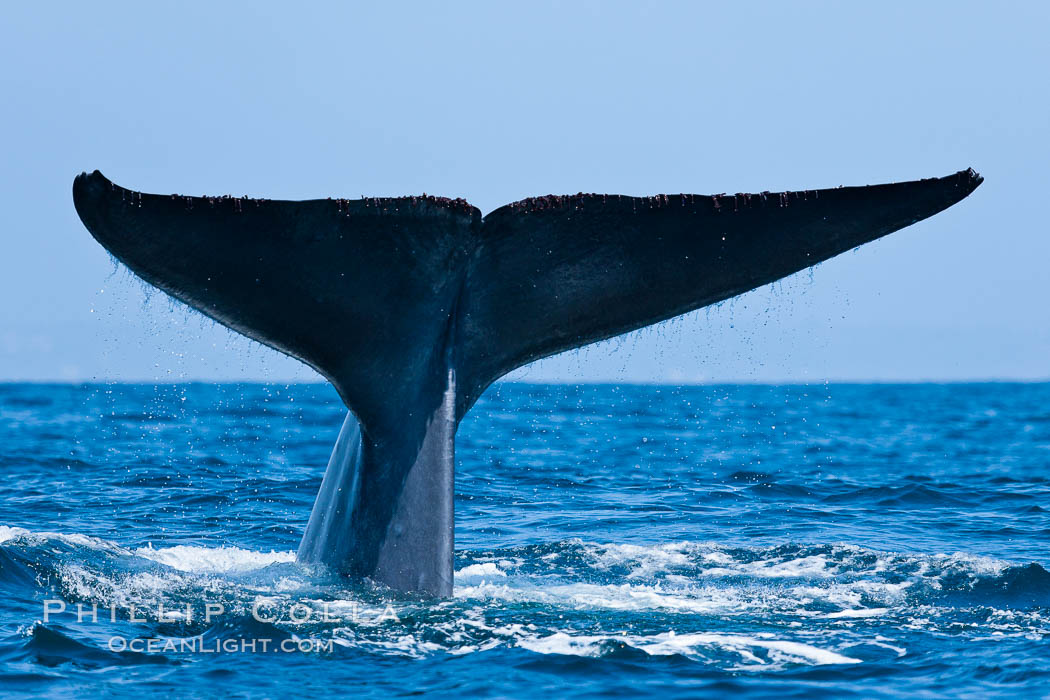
[557,382]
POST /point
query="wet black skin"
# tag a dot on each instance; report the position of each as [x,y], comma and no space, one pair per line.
[385,296]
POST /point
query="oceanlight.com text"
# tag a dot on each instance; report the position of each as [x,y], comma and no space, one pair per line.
[199,645]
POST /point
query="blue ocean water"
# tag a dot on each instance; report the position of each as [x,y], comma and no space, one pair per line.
[612,541]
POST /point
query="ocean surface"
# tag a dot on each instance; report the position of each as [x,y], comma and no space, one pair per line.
[611,541]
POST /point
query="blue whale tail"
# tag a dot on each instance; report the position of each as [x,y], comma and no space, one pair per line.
[412,306]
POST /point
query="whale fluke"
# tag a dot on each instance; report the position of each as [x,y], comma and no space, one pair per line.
[412,306]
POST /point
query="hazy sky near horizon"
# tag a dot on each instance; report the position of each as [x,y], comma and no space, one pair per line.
[497,101]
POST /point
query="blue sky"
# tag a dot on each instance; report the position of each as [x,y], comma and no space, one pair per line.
[498,101]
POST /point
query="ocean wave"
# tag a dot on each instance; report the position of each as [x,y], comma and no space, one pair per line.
[760,607]
[220,560]
[758,650]
[51,647]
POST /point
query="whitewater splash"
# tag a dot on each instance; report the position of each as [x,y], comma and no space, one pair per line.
[730,608]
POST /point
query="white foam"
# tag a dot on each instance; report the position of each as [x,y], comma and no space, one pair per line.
[219,560]
[644,560]
[710,559]
[676,580]
[8,533]
[804,567]
[880,641]
[610,596]
[858,612]
[480,570]
[205,560]
[689,645]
